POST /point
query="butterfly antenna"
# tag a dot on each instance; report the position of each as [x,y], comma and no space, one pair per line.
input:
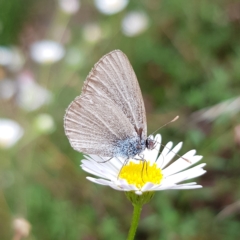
[173,120]
[175,153]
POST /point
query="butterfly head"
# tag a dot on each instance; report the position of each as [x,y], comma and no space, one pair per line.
[150,143]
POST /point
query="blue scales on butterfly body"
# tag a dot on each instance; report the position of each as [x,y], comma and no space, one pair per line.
[129,147]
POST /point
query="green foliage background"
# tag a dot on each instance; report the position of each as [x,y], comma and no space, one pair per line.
[188,59]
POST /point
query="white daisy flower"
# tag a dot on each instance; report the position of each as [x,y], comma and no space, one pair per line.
[153,174]
[110,7]
[46,51]
[31,95]
[134,23]
[10,132]
[69,6]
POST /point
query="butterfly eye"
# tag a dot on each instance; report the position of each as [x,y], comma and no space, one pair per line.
[150,144]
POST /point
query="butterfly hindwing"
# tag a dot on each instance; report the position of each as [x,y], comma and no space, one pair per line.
[96,131]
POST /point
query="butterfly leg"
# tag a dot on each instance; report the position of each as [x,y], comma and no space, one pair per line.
[104,161]
[155,144]
[124,164]
[144,168]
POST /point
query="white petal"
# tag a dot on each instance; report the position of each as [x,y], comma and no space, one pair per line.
[163,161]
[148,186]
[191,185]
[100,168]
[115,163]
[158,140]
[186,187]
[99,181]
[163,187]
[165,151]
[187,174]
[167,148]
[181,164]
[106,183]
[97,174]
[124,184]
[114,186]
[152,158]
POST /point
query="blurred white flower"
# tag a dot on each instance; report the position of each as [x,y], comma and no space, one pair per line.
[21,228]
[31,96]
[46,51]
[5,56]
[69,6]
[44,123]
[110,6]
[10,132]
[134,23]
[92,32]
[7,89]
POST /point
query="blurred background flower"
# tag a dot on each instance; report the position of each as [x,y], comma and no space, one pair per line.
[109,7]
[186,56]
[134,23]
[31,95]
[21,228]
[46,51]
[6,56]
[69,6]
[7,88]
[10,132]
[44,123]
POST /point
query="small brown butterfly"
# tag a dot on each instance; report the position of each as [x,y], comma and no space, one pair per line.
[109,119]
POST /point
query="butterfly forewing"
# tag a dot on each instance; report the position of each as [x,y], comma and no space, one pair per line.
[104,119]
[113,77]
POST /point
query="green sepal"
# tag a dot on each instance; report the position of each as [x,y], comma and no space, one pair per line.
[139,199]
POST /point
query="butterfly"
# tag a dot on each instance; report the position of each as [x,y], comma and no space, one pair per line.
[108,118]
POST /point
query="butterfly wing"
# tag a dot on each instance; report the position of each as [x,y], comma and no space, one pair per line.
[113,78]
[93,123]
[105,119]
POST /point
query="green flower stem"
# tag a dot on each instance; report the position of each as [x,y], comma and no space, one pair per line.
[137,201]
[137,208]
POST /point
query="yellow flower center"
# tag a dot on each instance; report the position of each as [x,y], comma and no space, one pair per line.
[141,172]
